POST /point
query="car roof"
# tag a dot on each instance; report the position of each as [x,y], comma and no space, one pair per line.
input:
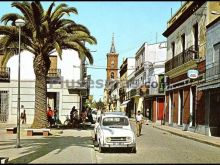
[114,113]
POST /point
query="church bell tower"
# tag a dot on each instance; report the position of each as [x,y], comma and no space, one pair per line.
[112,62]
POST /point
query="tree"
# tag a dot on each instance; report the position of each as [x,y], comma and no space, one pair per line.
[44,33]
[100,104]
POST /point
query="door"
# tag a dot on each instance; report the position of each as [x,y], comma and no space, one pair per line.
[171,108]
[160,108]
[52,99]
[181,107]
[193,105]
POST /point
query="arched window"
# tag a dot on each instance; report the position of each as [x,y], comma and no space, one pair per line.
[112,75]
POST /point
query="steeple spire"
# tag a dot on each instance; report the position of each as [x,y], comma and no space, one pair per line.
[112,50]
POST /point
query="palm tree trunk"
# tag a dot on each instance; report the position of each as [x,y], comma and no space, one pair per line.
[41,67]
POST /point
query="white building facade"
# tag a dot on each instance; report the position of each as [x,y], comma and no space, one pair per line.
[63,88]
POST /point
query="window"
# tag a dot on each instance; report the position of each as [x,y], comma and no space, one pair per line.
[112,75]
[217,53]
[110,121]
[183,42]
[112,64]
[173,49]
[196,36]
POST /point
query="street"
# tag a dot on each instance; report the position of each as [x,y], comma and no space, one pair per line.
[76,146]
[156,146]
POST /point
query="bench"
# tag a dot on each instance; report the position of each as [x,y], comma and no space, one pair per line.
[11,130]
[44,131]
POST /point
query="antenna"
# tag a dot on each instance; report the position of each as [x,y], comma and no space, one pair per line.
[171,12]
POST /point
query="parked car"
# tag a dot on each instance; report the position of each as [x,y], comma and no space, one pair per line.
[115,113]
[98,120]
[115,131]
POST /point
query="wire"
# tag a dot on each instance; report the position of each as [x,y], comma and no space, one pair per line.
[131,68]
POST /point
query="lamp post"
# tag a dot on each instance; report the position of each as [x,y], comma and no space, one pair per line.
[19,23]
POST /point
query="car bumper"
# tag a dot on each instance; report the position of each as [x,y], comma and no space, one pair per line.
[118,145]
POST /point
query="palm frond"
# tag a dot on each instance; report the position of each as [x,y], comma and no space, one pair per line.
[48,13]
[58,49]
[10,17]
[80,48]
[62,5]
[24,7]
[8,53]
[7,30]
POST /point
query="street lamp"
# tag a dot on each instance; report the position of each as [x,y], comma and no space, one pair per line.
[19,23]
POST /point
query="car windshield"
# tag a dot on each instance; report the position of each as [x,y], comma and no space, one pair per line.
[109,121]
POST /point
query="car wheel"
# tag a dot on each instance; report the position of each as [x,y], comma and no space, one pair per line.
[133,150]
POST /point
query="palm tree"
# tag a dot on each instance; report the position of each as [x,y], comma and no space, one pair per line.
[44,33]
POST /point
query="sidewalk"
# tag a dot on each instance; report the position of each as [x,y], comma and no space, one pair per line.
[214,141]
[62,146]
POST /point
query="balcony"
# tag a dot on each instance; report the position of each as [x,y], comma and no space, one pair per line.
[4,74]
[54,76]
[182,58]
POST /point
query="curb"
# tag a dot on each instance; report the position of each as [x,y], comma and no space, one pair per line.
[94,158]
[189,137]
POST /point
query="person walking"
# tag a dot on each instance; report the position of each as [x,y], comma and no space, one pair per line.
[23,115]
[72,113]
[50,116]
[83,116]
[89,114]
[139,122]
[55,116]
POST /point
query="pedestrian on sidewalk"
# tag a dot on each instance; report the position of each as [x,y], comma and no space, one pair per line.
[50,116]
[139,122]
[23,115]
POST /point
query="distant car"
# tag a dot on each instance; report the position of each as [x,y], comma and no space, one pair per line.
[115,131]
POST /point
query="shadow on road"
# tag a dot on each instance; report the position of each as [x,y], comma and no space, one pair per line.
[36,148]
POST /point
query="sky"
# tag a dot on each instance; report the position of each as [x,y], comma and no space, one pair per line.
[132,22]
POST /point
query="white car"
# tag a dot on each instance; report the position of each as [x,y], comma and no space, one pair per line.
[98,120]
[115,131]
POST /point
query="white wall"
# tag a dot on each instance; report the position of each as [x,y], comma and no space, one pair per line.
[66,100]
[70,59]
[131,65]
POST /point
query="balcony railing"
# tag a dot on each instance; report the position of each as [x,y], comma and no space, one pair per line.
[182,58]
[213,72]
[4,74]
[54,73]
[54,76]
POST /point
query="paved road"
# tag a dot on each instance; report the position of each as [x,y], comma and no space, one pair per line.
[156,146]
[69,146]
[76,146]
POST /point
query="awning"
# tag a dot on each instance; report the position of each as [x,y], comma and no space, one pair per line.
[124,104]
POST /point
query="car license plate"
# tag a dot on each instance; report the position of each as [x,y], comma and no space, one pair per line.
[116,144]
